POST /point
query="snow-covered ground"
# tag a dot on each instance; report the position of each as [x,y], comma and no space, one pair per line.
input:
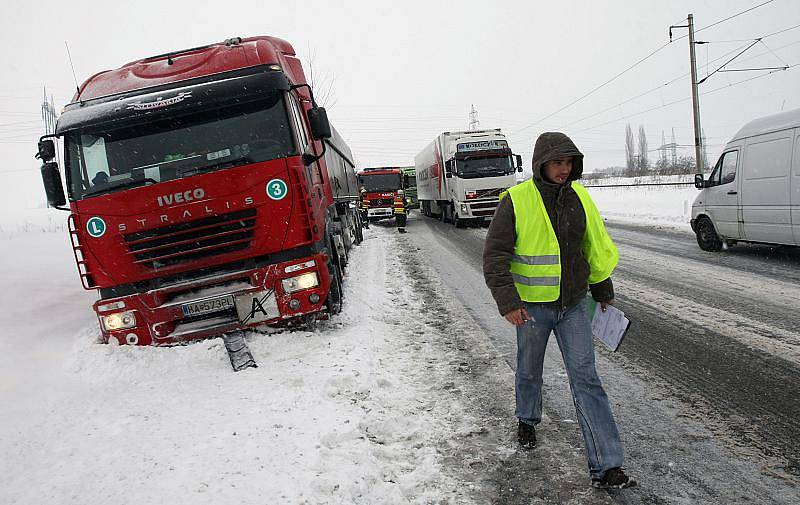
[348,414]
[666,206]
[336,416]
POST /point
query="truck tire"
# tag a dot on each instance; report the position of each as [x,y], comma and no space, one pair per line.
[333,303]
[707,237]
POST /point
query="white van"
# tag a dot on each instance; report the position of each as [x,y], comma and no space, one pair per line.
[753,193]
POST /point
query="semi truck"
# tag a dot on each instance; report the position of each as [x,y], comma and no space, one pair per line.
[207,193]
[411,187]
[460,175]
[383,195]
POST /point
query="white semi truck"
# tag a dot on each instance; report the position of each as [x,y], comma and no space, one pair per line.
[460,175]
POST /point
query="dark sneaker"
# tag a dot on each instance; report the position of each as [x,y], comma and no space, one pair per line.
[613,479]
[526,434]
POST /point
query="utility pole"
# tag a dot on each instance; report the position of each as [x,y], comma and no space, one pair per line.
[473,119]
[698,148]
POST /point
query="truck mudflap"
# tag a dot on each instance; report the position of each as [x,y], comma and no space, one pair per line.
[238,352]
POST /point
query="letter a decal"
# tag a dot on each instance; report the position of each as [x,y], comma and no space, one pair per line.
[257,306]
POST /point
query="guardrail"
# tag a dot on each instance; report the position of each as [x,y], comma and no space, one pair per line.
[641,184]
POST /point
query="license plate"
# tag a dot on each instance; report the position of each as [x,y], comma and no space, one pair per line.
[207,306]
[257,307]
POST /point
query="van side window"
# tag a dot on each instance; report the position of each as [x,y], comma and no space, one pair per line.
[728,166]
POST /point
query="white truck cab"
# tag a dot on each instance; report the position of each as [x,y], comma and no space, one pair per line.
[753,192]
[460,175]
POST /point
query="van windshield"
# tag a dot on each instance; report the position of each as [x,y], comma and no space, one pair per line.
[100,162]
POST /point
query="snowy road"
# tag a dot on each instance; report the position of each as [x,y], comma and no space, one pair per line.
[705,386]
[407,396]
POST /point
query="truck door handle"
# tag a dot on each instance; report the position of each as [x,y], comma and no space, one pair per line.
[733,192]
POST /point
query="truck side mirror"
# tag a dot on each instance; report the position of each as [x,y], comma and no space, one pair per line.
[518,158]
[320,126]
[699,183]
[52,185]
[405,180]
[47,150]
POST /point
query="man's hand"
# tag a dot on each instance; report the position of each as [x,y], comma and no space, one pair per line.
[603,305]
[517,317]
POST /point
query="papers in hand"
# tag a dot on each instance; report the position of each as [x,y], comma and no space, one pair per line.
[608,327]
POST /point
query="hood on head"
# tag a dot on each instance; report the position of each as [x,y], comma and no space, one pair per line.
[553,146]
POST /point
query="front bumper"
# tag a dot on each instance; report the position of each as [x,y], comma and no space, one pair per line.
[162,319]
[477,208]
[380,213]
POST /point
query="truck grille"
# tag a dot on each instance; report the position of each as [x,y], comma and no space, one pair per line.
[380,202]
[489,193]
[179,243]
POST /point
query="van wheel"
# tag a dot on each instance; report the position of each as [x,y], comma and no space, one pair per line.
[707,237]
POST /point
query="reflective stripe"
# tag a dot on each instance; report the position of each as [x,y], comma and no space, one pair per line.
[535,281]
[546,259]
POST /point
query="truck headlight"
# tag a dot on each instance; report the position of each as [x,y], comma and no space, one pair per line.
[464,208]
[119,321]
[301,282]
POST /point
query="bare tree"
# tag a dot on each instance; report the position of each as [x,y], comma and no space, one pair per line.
[644,162]
[322,85]
[629,153]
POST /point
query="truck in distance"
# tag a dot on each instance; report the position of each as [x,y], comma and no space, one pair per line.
[460,175]
[208,193]
[384,194]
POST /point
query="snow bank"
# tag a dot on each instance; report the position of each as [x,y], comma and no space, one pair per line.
[341,415]
[667,206]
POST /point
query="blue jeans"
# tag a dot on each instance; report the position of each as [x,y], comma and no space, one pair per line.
[574,335]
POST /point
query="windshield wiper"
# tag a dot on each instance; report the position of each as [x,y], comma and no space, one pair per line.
[213,166]
[124,183]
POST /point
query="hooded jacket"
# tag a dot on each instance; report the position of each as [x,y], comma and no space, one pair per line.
[569,223]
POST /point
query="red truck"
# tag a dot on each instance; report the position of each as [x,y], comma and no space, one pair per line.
[208,193]
[383,195]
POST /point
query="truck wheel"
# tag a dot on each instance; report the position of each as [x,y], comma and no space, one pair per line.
[707,237]
[334,301]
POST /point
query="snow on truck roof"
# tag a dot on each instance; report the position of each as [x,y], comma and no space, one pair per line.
[767,124]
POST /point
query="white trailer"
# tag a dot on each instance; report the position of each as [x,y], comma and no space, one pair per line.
[460,175]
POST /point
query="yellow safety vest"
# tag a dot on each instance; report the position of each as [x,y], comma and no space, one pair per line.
[536,265]
[399,204]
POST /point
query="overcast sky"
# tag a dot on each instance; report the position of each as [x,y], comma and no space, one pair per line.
[401,72]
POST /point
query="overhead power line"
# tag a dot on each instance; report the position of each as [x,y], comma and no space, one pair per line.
[676,79]
[735,15]
[634,65]
[684,99]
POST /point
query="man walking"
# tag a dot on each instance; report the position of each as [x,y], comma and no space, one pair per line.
[545,245]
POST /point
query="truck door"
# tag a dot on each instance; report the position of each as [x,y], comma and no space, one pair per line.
[765,188]
[722,195]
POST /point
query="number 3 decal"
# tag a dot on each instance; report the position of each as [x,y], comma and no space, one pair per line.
[277,189]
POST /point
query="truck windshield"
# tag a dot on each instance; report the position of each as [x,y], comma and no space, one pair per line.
[105,161]
[471,168]
[380,182]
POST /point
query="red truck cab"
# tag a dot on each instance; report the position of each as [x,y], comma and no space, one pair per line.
[207,193]
[383,190]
